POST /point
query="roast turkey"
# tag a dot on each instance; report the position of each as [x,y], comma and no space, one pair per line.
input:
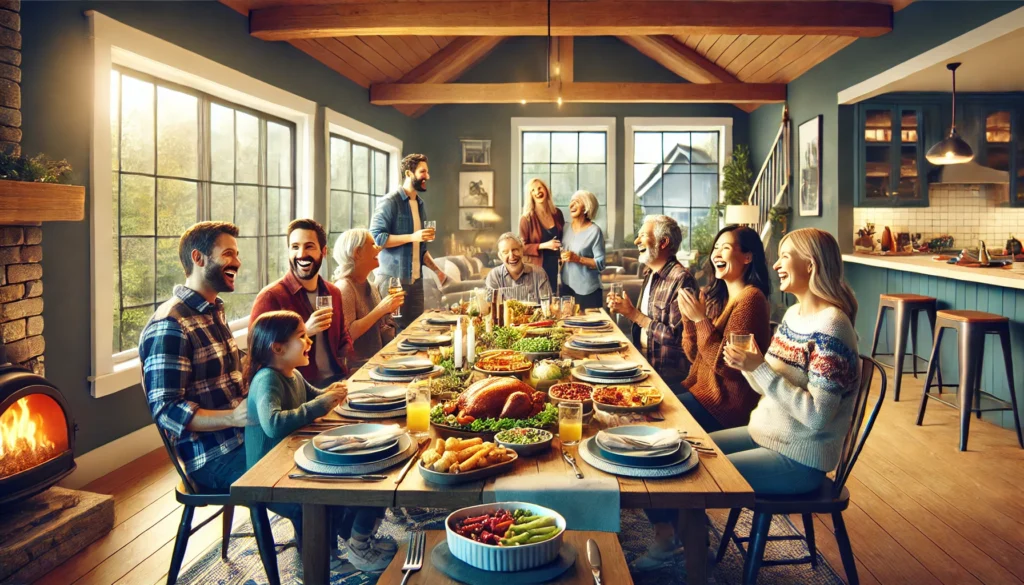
[500,397]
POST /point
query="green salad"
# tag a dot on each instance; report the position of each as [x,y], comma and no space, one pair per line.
[545,418]
[528,436]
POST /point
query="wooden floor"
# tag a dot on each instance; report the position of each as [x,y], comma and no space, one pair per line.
[922,512]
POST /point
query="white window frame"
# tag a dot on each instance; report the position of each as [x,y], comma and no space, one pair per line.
[722,125]
[115,43]
[606,125]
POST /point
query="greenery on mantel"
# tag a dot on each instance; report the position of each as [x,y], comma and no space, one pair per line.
[39,169]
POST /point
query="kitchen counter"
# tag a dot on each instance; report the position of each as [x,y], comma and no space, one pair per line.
[923,264]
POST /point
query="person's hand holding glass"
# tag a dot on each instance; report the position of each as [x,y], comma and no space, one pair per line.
[394,289]
[429,230]
[742,353]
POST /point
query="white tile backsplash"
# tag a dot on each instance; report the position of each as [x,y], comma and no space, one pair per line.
[969,213]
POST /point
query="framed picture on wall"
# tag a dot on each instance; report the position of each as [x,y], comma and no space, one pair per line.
[474,218]
[476,189]
[476,152]
[809,167]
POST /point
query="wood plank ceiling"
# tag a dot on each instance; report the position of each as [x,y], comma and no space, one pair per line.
[710,58]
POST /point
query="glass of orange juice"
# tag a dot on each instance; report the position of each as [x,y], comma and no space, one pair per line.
[570,422]
[417,410]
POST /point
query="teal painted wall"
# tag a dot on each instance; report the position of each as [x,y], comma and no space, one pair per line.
[523,59]
[869,282]
[917,28]
[57,115]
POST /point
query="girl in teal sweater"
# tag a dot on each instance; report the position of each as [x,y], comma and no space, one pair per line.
[281,402]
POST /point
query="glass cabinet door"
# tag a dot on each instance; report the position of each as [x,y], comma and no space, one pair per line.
[878,152]
[909,181]
[1017,188]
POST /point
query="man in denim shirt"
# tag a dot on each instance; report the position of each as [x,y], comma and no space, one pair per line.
[397,227]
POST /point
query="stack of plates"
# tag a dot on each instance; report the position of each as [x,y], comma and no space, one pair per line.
[422,342]
[312,459]
[376,402]
[611,371]
[633,463]
[587,322]
[443,320]
[594,343]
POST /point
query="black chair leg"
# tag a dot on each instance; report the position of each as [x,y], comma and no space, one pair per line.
[812,549]
[878,329]
[226,519]
[900,351]
[755,552]
[913,341]
[933,368]
[265,542]
[969,361]
[727,534]
[1004,337]
[180,544]
[845,550]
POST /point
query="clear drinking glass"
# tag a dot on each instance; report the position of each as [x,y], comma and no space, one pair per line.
[568,307]
[323,302]
[395,287]
[744,341]
[431,225]
[556,307]
[545,304]
[570,422]
[417,409]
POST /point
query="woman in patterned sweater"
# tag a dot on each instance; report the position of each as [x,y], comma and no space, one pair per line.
[807,379]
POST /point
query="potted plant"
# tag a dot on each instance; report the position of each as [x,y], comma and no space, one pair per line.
[38,189]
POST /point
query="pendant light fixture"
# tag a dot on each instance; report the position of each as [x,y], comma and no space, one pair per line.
[951,150]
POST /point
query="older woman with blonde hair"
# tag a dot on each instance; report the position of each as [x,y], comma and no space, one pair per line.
[540,227]
[583,252]
[368,316]
[808,377]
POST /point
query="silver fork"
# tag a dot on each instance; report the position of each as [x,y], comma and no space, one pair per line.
[414,556]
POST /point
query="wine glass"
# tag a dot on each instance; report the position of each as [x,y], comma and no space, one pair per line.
[394,288]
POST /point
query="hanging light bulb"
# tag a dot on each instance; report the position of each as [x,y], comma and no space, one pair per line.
[559,101]
[951,150]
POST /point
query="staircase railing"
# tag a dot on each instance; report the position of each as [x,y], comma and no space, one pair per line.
[771,187]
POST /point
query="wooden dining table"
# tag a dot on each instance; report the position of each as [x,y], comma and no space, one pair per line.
[714,483]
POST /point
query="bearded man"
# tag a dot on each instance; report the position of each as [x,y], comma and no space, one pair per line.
[298,291]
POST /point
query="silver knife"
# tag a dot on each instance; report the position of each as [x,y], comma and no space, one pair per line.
[324,477]
[572,461]
[594,557]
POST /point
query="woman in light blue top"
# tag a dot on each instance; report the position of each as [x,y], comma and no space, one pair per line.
[583,252]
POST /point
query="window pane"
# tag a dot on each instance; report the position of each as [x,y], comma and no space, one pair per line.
[277,256]
[222,203]
[176,206]
[168,268]
[592,147]
[137,271]
[279,155]
[248,280]
[676,146]
[380,173]
[177,130]
[341,210]
[360,210]
[647,147]
[677,190]
[247,201]
[275,217]
[360,168]
[341,163]
[238,305]
[132,323]
[222,143]
[564,147]
[563,183]
[647,183]
[705,147]
[704,168]
[137,205]
[115,131]
[536,147]
[116,248]
[594,178]
[137,139]
[705,190]
[247,148]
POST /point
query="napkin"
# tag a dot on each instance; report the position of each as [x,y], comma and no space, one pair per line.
[663,439]
[591,503]
[361,398]
[340,443]
[610,366]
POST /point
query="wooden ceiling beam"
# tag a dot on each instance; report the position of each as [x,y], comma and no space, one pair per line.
[683,61]
[395,94]
[573,18]
[447,65]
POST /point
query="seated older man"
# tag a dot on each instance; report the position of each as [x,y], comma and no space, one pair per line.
[516,272]
[657,322]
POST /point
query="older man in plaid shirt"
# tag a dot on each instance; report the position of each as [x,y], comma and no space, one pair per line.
[190,362]
[657,322]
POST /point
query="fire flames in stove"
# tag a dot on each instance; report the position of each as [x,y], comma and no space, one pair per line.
[31,432]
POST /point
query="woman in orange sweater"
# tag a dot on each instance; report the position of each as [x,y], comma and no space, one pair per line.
[719,397]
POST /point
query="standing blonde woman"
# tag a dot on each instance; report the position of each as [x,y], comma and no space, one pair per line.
[807,379]
[369,318]
[583,252]
[540,227]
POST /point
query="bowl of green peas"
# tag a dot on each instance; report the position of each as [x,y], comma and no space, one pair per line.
[525,441]
[537,348]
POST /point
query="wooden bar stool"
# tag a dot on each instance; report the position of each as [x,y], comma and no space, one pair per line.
[972,327]
[908,309]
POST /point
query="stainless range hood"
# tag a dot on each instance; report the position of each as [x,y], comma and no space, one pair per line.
[971,173]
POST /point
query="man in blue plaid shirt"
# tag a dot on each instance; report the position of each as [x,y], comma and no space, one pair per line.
[190,363]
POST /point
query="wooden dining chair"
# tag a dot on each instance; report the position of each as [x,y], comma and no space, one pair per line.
[189,497]
[832,498]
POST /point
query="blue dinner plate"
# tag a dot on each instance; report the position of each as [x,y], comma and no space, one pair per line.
[406,365]
[397,392]
[642,459]
[354,457]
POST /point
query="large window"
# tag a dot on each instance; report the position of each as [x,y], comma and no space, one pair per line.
[674,170]
[567,162]
[180,156]
[360,176]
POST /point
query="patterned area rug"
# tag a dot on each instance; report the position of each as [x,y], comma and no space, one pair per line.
[243,566]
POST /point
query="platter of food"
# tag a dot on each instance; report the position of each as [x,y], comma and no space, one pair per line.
[524,536]
[491,405]
[502,362]
[573,392]
[627,398]
[455,460]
